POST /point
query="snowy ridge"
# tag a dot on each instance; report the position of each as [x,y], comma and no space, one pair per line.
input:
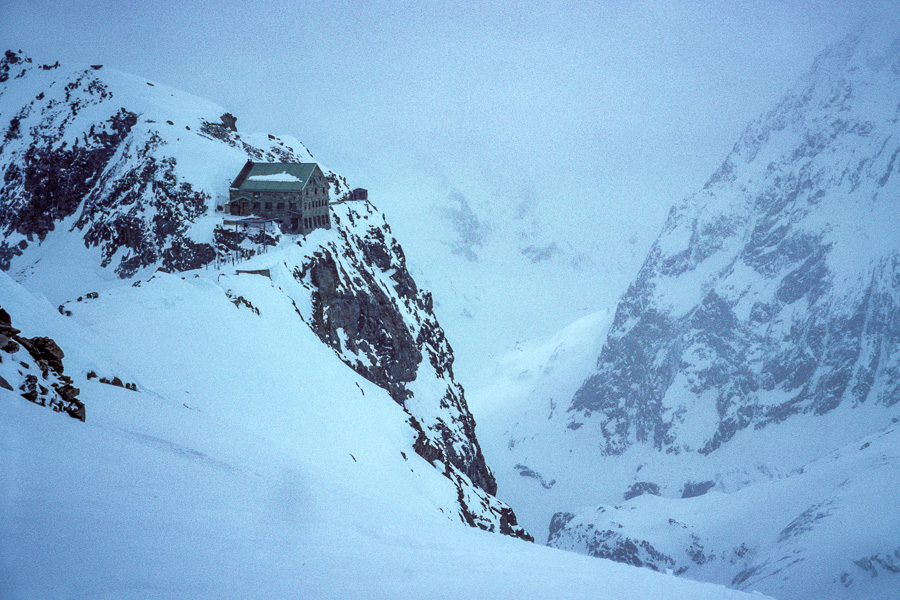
[826,531]
[134,167]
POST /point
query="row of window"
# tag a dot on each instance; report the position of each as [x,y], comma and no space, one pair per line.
[292,206]
[255,206]
[316,221]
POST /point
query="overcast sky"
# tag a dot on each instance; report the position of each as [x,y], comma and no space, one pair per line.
[619,108]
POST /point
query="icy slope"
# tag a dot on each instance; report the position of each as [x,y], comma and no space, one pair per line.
[248,462]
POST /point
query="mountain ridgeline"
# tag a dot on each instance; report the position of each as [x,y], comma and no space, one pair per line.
[756,356]
[113,176]
[775,290]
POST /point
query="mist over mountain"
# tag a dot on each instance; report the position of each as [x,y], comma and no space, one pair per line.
[193,409]
[756,346]
[256,413]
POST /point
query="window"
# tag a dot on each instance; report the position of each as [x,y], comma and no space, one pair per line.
[256,206]
[268,205]
[256,194]
[281,206]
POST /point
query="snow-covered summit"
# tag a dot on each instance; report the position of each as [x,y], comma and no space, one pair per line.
[133,168]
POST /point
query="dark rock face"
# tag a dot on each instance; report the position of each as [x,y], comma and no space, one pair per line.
[692,490]
[757,297]
[640,488]
[370,324]
[34,367]
[369,310]
[384,330]
[605,543]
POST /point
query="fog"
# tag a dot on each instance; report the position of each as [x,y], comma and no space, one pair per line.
[632,99]
[592,118]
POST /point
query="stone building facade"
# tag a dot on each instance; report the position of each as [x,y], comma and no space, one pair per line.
[294,195]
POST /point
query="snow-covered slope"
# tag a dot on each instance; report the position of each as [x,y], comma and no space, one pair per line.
[827,530]
[108,177]
[243,460]
[760,335]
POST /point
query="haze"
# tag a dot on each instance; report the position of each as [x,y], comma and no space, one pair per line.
[594,116]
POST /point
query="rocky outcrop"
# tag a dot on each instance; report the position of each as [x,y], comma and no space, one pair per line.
[568,534]
[33,367]
[640,488]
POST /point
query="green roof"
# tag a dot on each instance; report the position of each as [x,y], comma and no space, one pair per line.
[282,177]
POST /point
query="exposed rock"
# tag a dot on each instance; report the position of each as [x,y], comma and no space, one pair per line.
[40,380]
[230,121]
[605,543]
[692,490]
[525,471]
[367,307]
[640,488]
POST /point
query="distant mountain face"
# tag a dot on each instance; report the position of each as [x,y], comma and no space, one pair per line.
[741,418]
[828,530]
[775,290]
[107,177]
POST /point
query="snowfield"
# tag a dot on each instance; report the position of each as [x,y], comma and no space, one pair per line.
[250,463]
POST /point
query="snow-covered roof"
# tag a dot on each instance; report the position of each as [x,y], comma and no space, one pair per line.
[276,176]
